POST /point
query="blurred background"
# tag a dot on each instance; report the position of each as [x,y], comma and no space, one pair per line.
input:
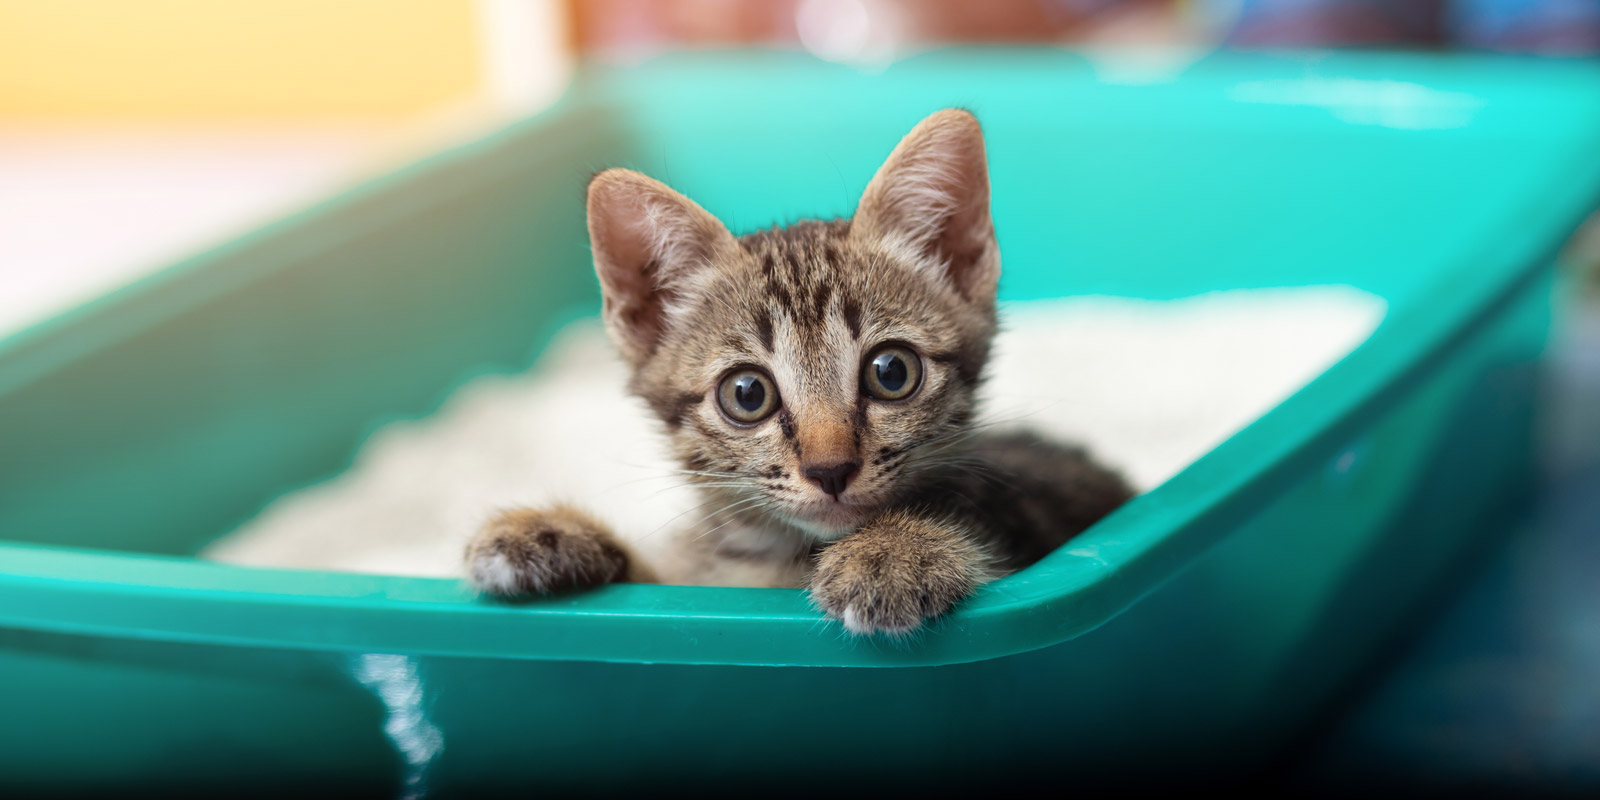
[197,121]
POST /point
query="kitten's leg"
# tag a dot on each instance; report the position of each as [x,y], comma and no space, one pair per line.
[901,568]
[906,566]
[538,551]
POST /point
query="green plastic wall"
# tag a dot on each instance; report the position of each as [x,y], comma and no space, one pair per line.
[1201,627]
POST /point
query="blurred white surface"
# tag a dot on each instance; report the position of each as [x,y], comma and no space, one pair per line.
[89,206]
[85,210]
[1147,385]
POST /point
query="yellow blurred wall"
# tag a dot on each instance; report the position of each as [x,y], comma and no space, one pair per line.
[235,58]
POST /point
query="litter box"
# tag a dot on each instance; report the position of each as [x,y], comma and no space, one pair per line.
[1196,633]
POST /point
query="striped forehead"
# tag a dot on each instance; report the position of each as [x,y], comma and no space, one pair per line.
[800,264]
[805,315]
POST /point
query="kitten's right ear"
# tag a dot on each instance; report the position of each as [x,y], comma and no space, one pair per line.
[648,241]
[932,195]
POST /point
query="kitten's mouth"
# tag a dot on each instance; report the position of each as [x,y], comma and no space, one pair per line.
[831,519]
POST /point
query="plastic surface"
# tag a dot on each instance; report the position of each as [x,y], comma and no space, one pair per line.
[140,426]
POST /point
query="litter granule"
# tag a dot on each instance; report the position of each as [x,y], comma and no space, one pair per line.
[1147,385]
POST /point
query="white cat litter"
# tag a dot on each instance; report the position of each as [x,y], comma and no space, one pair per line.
[1148,386]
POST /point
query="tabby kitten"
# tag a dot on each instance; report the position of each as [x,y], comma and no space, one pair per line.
[817,382]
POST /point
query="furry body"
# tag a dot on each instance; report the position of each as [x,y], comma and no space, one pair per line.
[845,460]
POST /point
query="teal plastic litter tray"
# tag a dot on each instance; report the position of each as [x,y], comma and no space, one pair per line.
[1220,613]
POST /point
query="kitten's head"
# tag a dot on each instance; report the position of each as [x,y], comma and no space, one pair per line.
[805,373]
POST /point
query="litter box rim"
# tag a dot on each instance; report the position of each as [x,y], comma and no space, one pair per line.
[1078,588]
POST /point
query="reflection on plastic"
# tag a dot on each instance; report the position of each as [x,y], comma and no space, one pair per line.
[1389,104]
[394,679]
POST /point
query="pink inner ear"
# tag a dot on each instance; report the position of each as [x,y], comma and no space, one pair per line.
[621,260]
[646,239]
[933,191]
[967,235]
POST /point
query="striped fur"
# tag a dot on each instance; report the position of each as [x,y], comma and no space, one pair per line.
[934,507]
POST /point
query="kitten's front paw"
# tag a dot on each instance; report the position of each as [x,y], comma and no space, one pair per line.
[893,574]
[527,551]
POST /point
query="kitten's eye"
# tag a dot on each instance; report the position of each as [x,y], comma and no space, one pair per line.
[747,395]
[892,373]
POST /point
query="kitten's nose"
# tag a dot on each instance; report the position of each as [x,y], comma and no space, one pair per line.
[833,478]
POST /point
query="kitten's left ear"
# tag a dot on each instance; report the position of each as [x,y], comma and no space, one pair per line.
[933,195]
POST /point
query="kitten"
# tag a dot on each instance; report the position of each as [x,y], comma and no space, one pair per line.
[817,382]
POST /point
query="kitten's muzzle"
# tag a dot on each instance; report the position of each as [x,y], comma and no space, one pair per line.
[833,478]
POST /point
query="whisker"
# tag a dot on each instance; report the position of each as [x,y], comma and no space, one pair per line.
[678,515]
[677,471]
[732,519]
